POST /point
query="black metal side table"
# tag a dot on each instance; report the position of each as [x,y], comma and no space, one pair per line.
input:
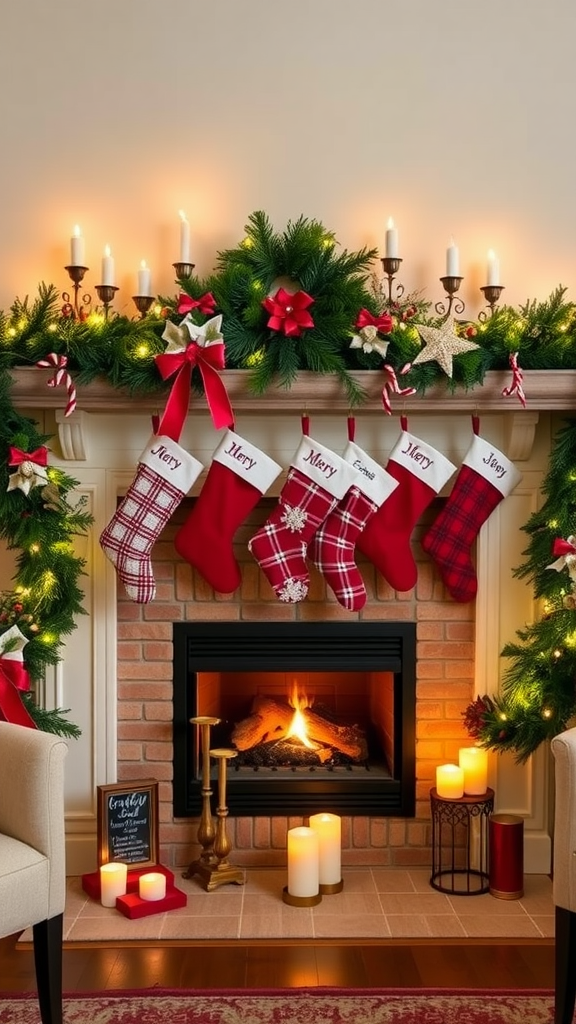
[460,869]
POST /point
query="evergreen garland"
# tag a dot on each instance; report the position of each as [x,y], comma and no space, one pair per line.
[40,526]
[538,695]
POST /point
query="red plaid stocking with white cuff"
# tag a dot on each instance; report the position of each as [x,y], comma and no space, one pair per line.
[332,547]
[316,480]
[238,477]
[165,474]
[421,472]
[484,479]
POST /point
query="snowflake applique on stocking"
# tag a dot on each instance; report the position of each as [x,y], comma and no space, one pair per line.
[294,519]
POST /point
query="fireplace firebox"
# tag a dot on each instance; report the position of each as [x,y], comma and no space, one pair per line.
[353,685]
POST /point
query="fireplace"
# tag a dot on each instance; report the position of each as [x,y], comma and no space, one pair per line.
[354,682]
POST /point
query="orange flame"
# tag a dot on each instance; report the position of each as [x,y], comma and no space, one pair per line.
[297,727]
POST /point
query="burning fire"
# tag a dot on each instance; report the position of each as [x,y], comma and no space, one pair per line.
[297,728]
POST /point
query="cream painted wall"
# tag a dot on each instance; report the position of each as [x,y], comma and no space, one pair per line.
[454,117]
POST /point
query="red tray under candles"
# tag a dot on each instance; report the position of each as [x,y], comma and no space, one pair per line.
[91,881]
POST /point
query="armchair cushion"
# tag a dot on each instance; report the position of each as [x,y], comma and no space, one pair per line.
[564,879]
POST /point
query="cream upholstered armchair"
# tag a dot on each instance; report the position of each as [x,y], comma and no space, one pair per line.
[564,876]
[32,852]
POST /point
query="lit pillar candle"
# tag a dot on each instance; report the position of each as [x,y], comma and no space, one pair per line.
[391,240]
[144,279]
[108,276]
[492,269]
[112,882]
[303,862]
[450,781]
[328,828]
[452,260]
[77,251]
[474,763]
[152,886]
[184,238]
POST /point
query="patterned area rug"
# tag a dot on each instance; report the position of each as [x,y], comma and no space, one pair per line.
[293,1006]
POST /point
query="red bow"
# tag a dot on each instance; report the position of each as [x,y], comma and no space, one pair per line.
[210,360]
[563,547]
[289,313]
[382,323]
[14,677]
[205,304]
[39,456]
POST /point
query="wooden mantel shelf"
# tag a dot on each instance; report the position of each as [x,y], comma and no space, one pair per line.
[544,389]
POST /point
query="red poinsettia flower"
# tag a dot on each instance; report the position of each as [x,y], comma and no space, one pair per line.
[289,313]
[382,323]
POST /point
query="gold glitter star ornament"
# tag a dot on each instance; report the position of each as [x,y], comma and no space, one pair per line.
[442,344]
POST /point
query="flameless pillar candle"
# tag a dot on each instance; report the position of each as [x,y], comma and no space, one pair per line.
[474,763]
[108,268]
[77,253]
[112,882]
[184,238]
[452,260]
[328,828]
[303,862]
[450,782]
[152,886]
[391,240]
[492,269]
[144,279]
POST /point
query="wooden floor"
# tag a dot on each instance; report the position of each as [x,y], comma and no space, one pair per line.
[422,964]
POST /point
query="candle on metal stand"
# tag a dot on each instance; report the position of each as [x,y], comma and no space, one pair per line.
[108,275]
[452,260]
[492,269]
[450,782]
[144,279]
[184,238]
[391,240]
[474,763]
[77,251]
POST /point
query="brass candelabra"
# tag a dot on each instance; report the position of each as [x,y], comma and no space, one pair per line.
[492,293]
[73,307]
[106,293]
[451,284]
[391,266]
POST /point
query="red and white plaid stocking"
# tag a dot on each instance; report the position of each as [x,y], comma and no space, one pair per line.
[484,479]
[165,474]
[316,480]
[332,547]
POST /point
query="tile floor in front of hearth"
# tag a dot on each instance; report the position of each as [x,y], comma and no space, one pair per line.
[375,903]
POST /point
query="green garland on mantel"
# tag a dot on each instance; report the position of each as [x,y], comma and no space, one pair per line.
[335,294]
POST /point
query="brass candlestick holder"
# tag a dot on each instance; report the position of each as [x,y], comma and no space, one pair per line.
[391,266]
[72,307]
[183,270]
[106,293]
[143,303]
[224,872]
[492,293]
[205,864]
[451,284]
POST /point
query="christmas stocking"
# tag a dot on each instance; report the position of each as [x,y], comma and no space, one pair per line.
[332,548]
[485,478]
[238,477]
[316,480]
[165,473]
[420,472]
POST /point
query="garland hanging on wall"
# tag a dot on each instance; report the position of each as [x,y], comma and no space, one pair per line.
[289,301]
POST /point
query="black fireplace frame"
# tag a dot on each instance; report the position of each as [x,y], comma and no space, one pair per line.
[298,646]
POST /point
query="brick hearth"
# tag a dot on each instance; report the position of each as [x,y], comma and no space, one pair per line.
[445,685]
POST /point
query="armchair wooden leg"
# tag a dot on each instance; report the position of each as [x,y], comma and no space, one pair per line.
[48,963]
[565,966]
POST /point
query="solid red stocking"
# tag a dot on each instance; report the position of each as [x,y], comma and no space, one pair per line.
[485,478]
[238,477]
[316,480]
[421,472]
[332,548]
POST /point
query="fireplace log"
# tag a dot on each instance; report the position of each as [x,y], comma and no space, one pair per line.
[270,720]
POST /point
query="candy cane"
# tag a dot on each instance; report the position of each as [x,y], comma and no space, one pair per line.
[392,387]
[61,376]
[517,378]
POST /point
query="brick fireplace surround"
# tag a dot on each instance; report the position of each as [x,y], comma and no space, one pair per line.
[445,684]
[116,675]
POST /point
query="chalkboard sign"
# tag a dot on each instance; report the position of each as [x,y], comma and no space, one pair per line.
[128,823]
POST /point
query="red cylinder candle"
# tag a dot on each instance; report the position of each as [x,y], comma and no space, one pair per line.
[506,856]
